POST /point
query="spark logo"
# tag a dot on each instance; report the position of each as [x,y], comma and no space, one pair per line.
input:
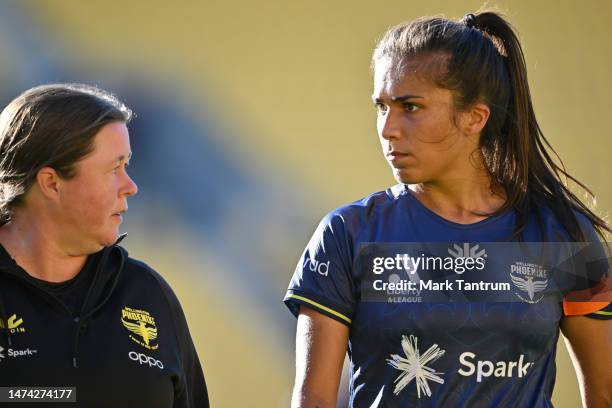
[17,353]
[142,326]
[414,366]
[13,325]
[486,368]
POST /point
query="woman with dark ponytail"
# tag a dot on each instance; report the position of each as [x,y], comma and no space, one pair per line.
[457,125]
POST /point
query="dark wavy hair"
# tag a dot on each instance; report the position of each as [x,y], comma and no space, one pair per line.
[50,125]
[480,59]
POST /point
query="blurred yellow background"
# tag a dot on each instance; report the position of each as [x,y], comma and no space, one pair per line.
[255,118]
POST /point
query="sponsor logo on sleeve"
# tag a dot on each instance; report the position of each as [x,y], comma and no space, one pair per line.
[320,267]
[141,326]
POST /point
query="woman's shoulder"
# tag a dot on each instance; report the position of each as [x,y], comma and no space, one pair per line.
[372,202]
[365,208]
[147,276]
[556,225]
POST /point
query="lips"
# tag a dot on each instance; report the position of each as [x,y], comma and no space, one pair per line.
[395,155]
[119,213]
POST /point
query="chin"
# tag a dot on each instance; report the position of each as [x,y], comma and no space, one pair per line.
[109,239]
[406,177]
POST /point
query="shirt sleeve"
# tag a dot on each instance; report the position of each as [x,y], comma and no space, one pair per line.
[322,279]
[592,295]
[190,390]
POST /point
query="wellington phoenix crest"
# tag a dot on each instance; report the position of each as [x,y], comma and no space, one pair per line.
[530,279]
[141,326]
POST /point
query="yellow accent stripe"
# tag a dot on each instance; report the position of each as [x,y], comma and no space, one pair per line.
[320,306]
[603,312]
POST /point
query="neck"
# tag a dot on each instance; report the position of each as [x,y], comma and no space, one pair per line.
[38,251]
[462,199]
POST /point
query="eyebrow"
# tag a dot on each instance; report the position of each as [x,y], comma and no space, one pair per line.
[123,157]
[399,99]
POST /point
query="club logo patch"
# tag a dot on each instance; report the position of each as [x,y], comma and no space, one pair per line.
[141,326]
[14,325]
[530,279]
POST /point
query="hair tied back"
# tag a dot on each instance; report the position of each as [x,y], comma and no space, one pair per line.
[470,20]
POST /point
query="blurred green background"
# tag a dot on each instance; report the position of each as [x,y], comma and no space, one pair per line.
[255,118]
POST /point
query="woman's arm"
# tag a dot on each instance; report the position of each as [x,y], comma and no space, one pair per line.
[589,342]
[320,347]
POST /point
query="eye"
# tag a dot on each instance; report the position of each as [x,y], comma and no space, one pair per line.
[120,166]
[411,107]
[381,107]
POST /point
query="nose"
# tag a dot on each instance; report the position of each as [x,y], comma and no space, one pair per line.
[389,125]
[130,186]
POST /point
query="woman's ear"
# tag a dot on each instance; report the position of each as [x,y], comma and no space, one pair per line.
[475,119]
[47,180]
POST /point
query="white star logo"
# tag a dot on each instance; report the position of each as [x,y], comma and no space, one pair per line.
[1,355]
[414,366]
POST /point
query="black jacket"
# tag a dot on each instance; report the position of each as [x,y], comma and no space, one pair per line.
[129,347]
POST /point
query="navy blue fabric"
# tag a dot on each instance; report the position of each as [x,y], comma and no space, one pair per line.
[515,342]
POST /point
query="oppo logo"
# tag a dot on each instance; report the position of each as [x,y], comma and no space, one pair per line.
[144,359]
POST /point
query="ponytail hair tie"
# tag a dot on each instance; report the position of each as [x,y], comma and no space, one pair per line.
[470,20]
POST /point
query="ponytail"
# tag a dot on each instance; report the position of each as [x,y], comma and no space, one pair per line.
[538,177]
[486,64]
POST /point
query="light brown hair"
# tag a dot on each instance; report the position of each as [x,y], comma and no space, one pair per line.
[50,125]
